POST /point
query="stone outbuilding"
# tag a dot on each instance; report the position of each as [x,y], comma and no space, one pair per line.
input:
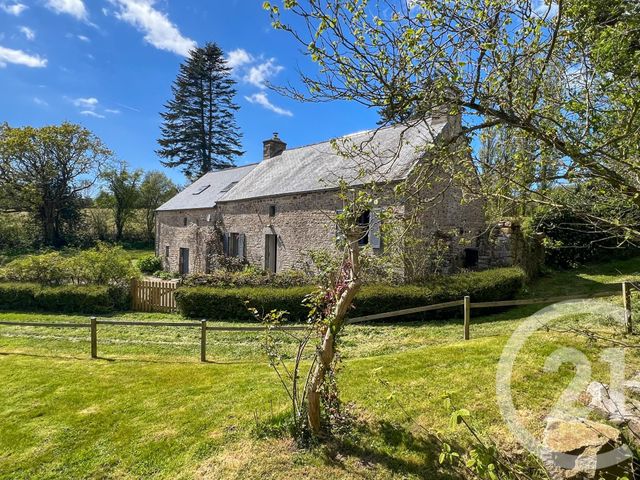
[272,213]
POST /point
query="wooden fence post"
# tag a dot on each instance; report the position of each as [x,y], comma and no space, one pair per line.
[467,316]
[134,294]
[626,301]
[94,337]
[203,341]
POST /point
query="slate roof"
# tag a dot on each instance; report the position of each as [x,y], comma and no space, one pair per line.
[211,186]
[390,152]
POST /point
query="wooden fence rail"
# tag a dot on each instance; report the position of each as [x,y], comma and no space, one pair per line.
[204,327]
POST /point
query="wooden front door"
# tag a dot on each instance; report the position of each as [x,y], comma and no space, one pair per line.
[183,263]
[270,253]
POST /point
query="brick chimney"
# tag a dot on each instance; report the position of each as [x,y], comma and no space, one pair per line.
[273,147]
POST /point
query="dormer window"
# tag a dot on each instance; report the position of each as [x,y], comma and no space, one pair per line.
[201,189]
[228,187]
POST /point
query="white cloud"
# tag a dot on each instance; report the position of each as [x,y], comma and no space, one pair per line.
[261,98]
[545,8]
[158,29]
[28,33]
[19,57]
[259,75]
[14,8]
[75,8]
[87,103]
[91,113]
[39,101]
[90,106]
[238,57]
[83,38]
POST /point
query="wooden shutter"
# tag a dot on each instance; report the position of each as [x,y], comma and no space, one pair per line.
[375,239]
[225,244]
[241,242]
[339,234]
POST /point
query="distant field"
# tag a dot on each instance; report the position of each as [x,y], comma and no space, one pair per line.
[148,409]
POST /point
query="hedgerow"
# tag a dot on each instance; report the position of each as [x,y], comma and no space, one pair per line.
[90,299]
[231,304]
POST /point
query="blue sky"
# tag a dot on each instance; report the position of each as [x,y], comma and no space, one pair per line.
[109,65]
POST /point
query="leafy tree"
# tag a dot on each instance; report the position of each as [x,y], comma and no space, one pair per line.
[489,62]
[155,189]
[46,170]
[409,59]
[199,132]
[121,195]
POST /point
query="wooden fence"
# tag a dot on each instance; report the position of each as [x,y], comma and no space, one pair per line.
[153,296]
[468,305]
[204,327]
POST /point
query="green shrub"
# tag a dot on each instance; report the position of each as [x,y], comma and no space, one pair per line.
[249,277]
[149,264]
[17,232]
[18,296]
[89,299]
[102,265]
[44,269]
[75,298]
[229,304]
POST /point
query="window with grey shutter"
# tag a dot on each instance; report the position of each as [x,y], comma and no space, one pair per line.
[339,234]
[225,244]
[375,239]
[241,243]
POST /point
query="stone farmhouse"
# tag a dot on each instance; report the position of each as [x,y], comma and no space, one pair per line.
[272,213]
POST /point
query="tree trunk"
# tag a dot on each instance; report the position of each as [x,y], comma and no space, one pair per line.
[326,351]
[49,230]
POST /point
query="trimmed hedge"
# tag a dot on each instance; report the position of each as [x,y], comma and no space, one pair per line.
[65,298]
[229,304]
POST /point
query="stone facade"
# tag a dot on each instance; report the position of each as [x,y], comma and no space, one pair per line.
[302,222]
[195,230]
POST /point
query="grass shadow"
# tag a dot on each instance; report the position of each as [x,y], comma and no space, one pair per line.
[394,447]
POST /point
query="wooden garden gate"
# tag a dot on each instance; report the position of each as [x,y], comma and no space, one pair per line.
[153,296]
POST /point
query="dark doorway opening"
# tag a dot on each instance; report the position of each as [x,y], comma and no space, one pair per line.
[470,258]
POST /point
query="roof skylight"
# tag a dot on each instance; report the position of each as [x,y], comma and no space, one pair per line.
[228,187]
[201,189]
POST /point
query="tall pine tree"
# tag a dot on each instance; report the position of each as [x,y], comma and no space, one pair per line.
[199,132]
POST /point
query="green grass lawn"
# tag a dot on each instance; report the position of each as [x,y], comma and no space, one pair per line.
[149,409]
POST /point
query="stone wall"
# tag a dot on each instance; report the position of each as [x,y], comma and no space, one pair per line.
[192,229]
[446,223]
[302,222]
[505,245]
